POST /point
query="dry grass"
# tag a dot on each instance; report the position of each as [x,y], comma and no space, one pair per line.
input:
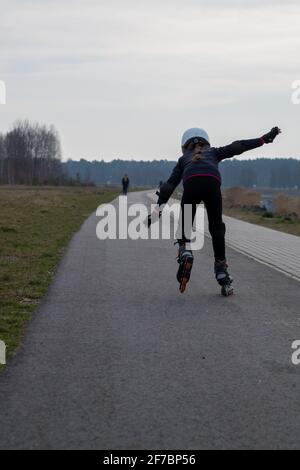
[240,197]
[286,205]
[281,223]
[244,205]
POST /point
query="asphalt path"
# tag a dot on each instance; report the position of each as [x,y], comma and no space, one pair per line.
[116,358]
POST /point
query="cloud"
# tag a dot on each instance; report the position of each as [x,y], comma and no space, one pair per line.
[98,68]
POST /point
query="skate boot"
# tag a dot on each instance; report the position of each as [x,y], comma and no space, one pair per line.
[185,260]
[223,278]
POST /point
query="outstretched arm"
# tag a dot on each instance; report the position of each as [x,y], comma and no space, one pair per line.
[165,191]
[241,146]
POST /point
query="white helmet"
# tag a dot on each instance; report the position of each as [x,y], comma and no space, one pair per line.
[194,133]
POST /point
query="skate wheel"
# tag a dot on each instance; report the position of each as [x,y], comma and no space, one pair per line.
[182,286]
[186,273]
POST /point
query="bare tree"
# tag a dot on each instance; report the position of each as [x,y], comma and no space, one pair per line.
[31,155]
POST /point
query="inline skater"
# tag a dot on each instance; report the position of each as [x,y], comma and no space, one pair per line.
[198,168]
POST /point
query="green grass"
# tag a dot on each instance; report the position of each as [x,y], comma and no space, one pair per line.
[36,225]
[284,224]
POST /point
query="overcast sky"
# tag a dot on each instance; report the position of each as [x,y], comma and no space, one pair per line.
[124,78]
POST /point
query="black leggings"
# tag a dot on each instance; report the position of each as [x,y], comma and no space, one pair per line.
[207,189]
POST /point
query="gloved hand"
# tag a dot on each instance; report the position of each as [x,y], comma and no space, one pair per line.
[270,136]
[164,194]
[154,216]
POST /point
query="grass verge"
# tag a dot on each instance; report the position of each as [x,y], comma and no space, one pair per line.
[286,224]
[36,225]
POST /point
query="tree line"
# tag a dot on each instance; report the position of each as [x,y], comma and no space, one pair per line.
[279,173]
[30,154]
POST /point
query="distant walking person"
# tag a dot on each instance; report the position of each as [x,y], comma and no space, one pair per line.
[125,184]
[198,168]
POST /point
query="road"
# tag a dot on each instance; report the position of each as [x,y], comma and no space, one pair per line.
[116,358]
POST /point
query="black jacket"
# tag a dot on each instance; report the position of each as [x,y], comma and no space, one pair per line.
[207,166]
[125,182]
